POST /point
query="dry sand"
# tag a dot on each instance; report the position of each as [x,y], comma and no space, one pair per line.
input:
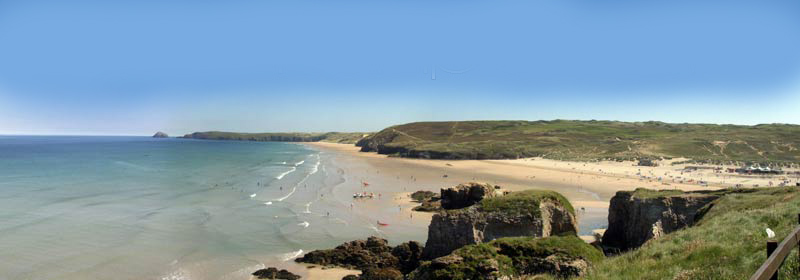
[330,273]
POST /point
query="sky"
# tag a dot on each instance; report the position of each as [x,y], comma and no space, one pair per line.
[137,67]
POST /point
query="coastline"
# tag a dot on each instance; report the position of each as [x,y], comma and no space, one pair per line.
[588,186]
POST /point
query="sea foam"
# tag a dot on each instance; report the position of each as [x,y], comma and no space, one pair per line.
[284,173]
[288,195]
[291,255]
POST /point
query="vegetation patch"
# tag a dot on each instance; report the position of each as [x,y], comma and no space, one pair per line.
[513,256]
[524,202]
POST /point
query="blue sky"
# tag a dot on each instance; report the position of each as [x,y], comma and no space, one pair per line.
[135,67]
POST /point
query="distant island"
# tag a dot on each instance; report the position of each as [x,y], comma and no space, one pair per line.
[160,135]
[561,139]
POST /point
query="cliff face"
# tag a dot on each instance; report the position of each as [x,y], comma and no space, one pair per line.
[518,214]
[636,217]
[465,195]
[371,254]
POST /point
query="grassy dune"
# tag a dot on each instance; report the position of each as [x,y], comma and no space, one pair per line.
[584,140]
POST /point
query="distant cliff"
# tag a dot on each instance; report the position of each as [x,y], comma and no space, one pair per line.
[336,137]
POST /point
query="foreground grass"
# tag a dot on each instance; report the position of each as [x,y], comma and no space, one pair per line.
[729,242]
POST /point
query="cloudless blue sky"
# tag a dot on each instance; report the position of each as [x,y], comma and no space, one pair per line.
[135,67]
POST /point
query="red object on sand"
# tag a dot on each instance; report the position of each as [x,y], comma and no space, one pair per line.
[382,224]
[365,183]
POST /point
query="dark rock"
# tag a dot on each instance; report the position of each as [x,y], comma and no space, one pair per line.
[374,257]
[635,219]
[420,196]
[465,195]
[381,274]
[408,255]
[430,201]
[160,135]
[529,213]
[350,277]
[359,254]
[429,206]
[274,273]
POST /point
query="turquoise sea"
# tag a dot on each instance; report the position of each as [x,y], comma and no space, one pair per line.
[143,208]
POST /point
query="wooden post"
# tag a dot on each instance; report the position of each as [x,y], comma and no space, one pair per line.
[771,246]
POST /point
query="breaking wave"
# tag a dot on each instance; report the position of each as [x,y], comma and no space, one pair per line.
[291,255]
[284,173]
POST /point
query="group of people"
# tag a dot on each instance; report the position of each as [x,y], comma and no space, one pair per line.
[365,195]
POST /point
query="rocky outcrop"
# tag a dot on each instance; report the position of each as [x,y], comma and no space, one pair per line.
[274,273]
[357,254]
[465,195]
[528,213]
[408,256]
[513,258]
[381,274]
[373,254]
[456,266]
[420,196]
[638,216]
[160,135]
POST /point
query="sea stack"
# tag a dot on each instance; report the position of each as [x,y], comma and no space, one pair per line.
[160,135]
[531,213]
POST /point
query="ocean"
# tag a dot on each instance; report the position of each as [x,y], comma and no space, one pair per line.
[84,207]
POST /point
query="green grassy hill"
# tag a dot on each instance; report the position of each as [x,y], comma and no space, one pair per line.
[586,140]
[335,137]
